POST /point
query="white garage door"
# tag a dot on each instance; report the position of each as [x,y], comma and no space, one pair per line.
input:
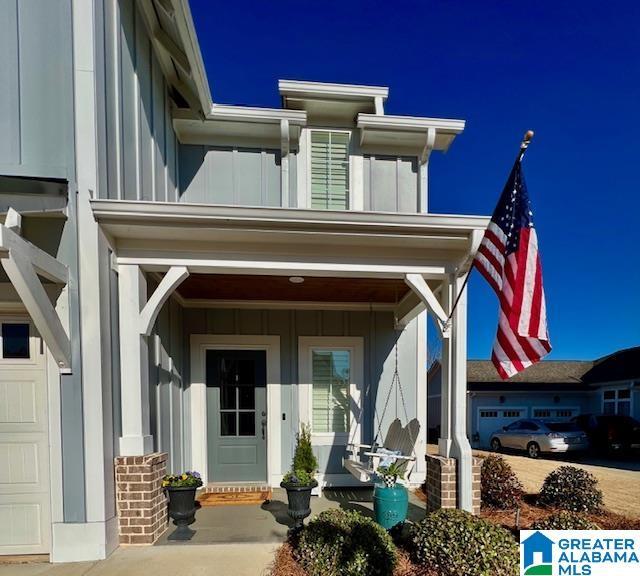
[24,441]
[492,419]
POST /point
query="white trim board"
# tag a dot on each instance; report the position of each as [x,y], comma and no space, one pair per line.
[200,343]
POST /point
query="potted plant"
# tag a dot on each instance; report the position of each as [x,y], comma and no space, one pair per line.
[300,480]
[181,489]
[390,498]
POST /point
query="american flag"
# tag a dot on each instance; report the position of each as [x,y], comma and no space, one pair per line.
[508,258]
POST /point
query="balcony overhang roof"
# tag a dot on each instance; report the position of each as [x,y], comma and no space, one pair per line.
[283,240]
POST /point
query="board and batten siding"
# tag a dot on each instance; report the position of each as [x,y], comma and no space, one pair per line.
[376,329]
[36,104]
[230,175]
[390,183]
[138,147]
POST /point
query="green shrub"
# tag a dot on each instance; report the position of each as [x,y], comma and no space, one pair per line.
[572,489]
[565,520]
[500,486]
[304,458]
[345,543]
[453,542]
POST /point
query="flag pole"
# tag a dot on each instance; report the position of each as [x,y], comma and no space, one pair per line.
[526,140]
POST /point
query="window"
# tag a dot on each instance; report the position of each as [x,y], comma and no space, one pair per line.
[564,413]
[541,413]
[511,414]
[617,402]
[330,378]
[528,425]
[330,388]
[488,413]
[329,170]
[15,340]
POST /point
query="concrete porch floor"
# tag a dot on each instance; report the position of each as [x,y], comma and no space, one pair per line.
[269,523]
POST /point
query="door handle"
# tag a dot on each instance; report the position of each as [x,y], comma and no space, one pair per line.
[264,426]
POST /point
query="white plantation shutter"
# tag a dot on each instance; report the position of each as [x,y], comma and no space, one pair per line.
[329,170]
[330,371]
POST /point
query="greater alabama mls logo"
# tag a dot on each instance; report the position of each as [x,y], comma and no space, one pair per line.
[537,555]
[579,552]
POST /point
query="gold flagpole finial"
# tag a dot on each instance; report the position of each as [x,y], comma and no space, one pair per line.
[528,135]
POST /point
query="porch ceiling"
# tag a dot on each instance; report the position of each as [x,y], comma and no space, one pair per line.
[278,288]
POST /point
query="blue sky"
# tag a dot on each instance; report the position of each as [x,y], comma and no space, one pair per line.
[568,70]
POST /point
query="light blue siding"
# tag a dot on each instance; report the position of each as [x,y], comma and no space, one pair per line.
[224,175]
[137,142]
[390,184]
[36,115]
[170,412]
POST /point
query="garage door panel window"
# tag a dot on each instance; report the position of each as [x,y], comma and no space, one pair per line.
[15,341]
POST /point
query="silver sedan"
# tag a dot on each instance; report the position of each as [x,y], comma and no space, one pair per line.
[536,436]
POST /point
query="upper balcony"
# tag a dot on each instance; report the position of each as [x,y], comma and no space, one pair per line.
[330,147]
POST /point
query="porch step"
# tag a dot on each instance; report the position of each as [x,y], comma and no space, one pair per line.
[234,494]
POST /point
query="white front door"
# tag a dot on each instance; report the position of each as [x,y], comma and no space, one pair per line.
[24,441]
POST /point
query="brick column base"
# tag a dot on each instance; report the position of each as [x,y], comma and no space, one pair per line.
[441,483]
[140,500]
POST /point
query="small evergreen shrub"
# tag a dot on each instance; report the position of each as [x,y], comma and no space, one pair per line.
[571,488]
[304,458]
[565,520]
[345,543]
[453,542]
[500,486]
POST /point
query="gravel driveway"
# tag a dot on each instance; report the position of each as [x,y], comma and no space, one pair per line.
[620,486]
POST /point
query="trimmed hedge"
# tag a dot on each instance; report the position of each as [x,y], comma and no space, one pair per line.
[345,543]
[570,488]
[500,486]
[565,520]
[453,542]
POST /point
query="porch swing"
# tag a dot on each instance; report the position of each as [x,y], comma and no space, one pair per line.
[362,460]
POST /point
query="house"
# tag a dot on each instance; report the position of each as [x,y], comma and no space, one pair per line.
[551,389]
[186,282]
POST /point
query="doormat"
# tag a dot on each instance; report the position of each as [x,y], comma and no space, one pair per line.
[246,498]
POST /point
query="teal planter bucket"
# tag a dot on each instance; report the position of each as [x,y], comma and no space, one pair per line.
[390,505]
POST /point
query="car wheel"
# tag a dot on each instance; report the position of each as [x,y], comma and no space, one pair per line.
[533,450]
[495,445]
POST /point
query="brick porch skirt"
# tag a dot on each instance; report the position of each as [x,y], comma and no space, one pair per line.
[441,483]
[140,501]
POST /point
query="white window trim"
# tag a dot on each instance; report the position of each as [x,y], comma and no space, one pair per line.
[615,401]
[355,193]
[355,345]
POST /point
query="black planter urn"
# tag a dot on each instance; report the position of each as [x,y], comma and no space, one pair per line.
[299,498]
[182,510]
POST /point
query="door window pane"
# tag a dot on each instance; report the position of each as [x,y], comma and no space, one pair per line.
[609,407]
[246,397]
[228,397]
[330,396]
[247,425]
[609,394]
[624,408]
[15,340]
[624,394]
[227,423]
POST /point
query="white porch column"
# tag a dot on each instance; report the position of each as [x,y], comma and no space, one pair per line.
[460,447]
[444,441]
[134,363]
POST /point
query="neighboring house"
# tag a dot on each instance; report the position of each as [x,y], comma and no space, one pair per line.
[185,283]
[552,389]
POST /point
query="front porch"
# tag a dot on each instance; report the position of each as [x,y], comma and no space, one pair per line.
[203,288]
[269,522]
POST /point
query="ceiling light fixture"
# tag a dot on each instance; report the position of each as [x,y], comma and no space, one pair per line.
[296,279]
